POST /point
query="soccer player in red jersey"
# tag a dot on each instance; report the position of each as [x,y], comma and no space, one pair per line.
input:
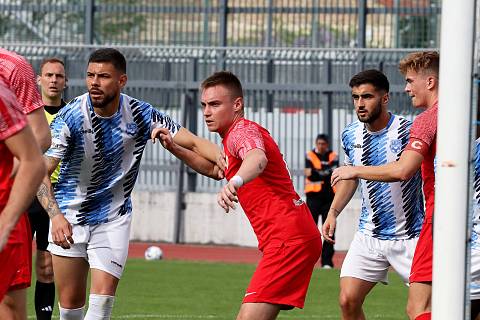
[18,75]
[16,140]
[259,179]
[421,74]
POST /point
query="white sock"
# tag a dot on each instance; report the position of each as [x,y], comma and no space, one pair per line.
[71,314]
[99,307]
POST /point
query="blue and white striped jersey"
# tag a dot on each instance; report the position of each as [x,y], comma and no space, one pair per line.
[476,199]
[390,211]
[101,156]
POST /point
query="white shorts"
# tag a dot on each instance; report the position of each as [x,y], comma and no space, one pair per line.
[475,275]
[369,258]
[104,246]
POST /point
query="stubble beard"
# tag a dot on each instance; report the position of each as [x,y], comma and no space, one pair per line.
[104,102]
[374,115]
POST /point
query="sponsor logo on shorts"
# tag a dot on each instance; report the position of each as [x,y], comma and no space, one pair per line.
[116,263]
[250,293]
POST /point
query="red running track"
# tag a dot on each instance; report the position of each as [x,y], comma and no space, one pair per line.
[213,253]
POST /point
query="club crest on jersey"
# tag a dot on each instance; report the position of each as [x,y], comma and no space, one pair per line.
[396,145]
[131,128]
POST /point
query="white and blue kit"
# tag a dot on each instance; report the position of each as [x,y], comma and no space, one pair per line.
[392,213]
[100,159]
[475,241]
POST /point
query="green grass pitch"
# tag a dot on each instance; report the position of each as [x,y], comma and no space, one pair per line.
[200,290]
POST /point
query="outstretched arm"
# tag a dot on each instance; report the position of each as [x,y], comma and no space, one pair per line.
[30,171]
[191,159]
[203,147]
[61,228]
[401,170]
[252,166]
[344,193]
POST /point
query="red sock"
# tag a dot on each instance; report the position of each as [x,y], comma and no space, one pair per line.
[424,316]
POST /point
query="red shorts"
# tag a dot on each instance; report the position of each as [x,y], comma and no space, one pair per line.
[16,259]
[422,259]
[283,275]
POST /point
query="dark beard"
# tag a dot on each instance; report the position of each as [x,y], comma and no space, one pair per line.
[374,115]
[103,103]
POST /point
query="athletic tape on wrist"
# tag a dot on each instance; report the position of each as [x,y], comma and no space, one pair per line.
[237,181]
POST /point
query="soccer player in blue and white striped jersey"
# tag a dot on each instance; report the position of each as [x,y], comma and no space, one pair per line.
[475,241]
[99,138]
[392,213]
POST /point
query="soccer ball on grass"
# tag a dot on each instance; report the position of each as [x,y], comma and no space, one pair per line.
[153,253]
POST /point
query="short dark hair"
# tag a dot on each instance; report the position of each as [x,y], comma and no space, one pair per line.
[373,77]
[110,55]
[226,79]
[423,61]
[50,60]
[323,137]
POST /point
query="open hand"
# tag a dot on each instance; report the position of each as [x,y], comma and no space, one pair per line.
[227,196]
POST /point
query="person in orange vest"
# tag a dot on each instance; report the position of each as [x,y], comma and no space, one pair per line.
[319,165]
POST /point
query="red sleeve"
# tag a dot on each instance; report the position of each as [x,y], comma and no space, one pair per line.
[12,118]
[423,132]
[243,138]
[22,81]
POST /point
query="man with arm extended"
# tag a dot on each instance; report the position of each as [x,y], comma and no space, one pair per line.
[392,213]
[16,140]
[52,81]
[260,181]
[99,138]
[421,74]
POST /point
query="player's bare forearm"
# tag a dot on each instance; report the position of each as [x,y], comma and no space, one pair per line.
[196,162]
[46,197]
[201,146]
[29,174]
[401,170]
[345,190]
[41,129]
[253,164]
[45,194]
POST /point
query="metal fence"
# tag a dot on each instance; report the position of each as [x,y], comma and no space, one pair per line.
[294,93]
[252,23]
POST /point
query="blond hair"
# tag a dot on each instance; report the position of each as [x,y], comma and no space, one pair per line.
[421,62]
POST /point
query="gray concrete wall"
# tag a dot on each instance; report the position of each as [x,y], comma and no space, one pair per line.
[206,223]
